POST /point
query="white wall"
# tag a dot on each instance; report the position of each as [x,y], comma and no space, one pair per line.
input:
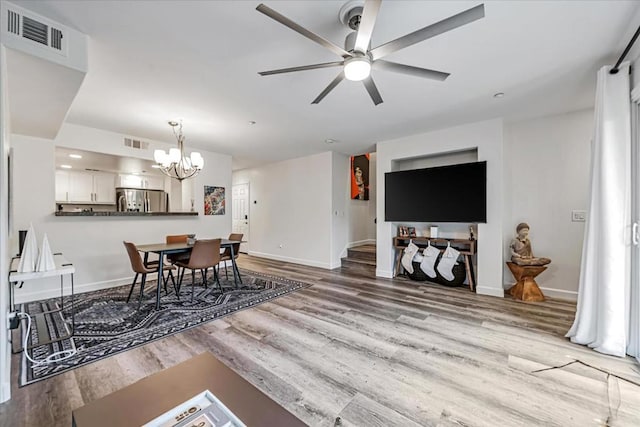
[290,209]
[361,214]
[5,356]
[547,172]
[94,244]
[340,197]
[487,138]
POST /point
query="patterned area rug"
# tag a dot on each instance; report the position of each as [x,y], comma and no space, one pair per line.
[105,324]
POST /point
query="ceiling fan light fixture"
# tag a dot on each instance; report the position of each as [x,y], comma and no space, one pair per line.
[357,68]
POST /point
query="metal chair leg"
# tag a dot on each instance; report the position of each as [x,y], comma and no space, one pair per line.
[204,277]
[216,277]
[193,283]
[135,279]
[226,272]
[144,279]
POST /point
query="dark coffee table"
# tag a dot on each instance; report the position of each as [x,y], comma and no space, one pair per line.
[156,394]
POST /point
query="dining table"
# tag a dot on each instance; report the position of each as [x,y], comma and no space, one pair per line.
[163,249]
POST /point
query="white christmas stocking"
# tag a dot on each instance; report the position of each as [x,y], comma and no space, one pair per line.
[409,253]
[448,260]
[430,255]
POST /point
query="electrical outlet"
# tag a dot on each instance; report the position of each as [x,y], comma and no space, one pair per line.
[13,320]
[578,216]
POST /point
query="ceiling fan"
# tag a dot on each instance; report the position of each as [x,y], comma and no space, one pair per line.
[357,56]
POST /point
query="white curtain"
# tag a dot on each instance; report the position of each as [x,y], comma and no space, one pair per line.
[602,319]
[633,348]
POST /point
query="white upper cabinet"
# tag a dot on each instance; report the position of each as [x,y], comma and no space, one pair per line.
[85,187]
[139,181]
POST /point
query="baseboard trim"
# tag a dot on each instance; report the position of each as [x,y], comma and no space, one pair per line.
[78,289]
[487,290]
[5,391]
[552,292]
[310,263]
[384,273]
[560,293]
[333,266]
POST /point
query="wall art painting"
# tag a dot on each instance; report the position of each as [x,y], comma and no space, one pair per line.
[360,177]
[214,202]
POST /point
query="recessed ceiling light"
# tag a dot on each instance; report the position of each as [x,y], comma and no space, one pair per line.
[135,173]
[65,166]
[498,95]
[252,122]
[75,156]
[330,141]
[155,166]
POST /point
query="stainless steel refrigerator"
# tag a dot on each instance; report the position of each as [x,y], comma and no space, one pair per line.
[140,200]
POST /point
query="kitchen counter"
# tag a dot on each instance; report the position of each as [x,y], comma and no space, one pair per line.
[61,213]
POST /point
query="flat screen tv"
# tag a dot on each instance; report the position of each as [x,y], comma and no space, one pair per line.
[456,193]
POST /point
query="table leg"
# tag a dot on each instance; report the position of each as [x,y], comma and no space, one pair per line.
[61,293]
[467,263]
[159,281]
[234,267]
[73,308]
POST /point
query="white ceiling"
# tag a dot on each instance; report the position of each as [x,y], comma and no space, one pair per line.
[153,61]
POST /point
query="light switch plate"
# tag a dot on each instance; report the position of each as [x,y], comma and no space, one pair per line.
[578,216]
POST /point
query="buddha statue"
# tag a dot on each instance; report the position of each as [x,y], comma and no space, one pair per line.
[521,252]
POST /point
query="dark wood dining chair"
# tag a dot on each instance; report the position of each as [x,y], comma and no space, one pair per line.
[226,255]
[140,268]
[205,254]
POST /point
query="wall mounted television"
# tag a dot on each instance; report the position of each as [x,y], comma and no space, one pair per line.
[456,193]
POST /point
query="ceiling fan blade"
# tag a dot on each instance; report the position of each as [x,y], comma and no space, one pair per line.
[425,33]
[365,28]
[411,70]
[302,68]
[373,90]
[329,88]
[297,28]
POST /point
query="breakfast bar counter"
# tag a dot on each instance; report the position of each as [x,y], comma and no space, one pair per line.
[128,214]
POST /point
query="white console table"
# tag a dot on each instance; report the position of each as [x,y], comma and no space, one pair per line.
[63,268]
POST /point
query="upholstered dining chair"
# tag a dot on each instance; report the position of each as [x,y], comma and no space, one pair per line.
[140,268]
[177,238]
[205,254]
[226,255]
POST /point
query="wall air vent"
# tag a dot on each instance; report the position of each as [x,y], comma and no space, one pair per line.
[13,22]
[136,143]
[35,29]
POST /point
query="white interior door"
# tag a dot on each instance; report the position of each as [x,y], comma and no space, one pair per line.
[240,213]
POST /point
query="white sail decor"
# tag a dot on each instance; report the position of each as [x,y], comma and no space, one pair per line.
[29,258]
[46,261]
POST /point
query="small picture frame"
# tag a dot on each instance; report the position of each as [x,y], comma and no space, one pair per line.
[403,231]
[411,231]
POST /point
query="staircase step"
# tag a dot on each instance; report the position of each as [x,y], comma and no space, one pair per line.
[361,266]
[364,252]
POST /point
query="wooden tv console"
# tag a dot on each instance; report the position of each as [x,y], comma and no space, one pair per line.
[466,247]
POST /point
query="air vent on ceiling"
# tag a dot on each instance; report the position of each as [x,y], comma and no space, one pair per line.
[36,30]
[136,143]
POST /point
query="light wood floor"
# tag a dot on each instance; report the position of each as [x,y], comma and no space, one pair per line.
[375,352]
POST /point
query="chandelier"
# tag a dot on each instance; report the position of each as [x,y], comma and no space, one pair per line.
[175,164]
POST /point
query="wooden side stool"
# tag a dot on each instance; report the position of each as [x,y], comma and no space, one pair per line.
[526,288]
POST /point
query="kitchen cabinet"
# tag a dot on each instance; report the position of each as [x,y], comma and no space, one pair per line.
[143,182]
[85,187]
